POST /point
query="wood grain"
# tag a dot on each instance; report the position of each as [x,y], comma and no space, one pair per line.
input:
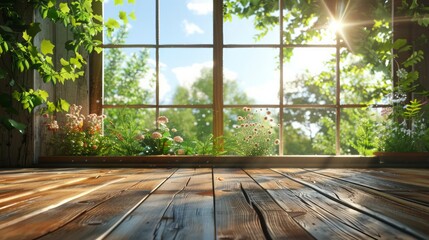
[205,203]
[406,218]
[109,205]
[181,208]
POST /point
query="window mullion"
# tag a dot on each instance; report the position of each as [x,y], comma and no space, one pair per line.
[217,68]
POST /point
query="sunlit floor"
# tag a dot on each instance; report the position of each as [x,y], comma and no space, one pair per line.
[218,203]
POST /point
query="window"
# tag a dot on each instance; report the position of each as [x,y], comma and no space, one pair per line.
[199,62]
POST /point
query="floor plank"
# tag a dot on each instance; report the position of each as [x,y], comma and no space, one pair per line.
[404,216]
[407,186]
[319,215]
[94,222]
[181,208]
[205,203]
[235,217]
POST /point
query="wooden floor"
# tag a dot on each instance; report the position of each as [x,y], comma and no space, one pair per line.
[219,203]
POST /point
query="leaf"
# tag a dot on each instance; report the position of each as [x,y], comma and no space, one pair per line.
[63,105]
[399,43]
[119,2]
[64,8]
[132,15]
[112,23]
[51,107]
[123,16]
[25,36]
[43,94]
[131,1]
[34,29]
[46,47]
[16,95]
[64,62]
[415,58]
[12,124]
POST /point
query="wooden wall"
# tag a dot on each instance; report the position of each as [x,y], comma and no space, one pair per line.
[17,150]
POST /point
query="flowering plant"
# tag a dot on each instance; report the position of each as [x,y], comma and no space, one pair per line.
[404,129]
[254,134]
[79,134]
[161,140]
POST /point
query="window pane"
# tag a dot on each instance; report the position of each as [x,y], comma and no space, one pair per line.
[249,25]
[306,22]
[124,124]
[186,76]
[361,83]
[190,123]
[129,76]
[309,131]
[139,31]
[186,21]
[253,131]
[360,129]
[251,76]
[309,76]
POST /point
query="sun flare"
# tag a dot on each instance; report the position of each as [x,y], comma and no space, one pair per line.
[336,26]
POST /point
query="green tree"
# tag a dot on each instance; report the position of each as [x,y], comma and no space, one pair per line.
[197,123]
[124,75]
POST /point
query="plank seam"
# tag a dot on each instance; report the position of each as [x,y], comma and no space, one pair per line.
[114,226]
[359,208]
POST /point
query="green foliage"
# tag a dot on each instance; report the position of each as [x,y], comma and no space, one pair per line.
[123,131]
[209,146]
[365,139]
[254,135]
[17,33]
[161,140]
[398,137]
[412,110]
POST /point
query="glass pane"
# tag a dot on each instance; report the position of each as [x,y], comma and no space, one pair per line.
[249,25]
[362,83]
[190,123]
[129,76]
[306,22]
[141,30]
[251,131]
[186,76]
[186,21]
[309,131]
[309,76]
[360,129]
[124,125]
[251,76]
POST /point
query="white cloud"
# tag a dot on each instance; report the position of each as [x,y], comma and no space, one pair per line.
[189,74]
[191,28]
[164,86]
[229,75]
[200,7]
[267,92]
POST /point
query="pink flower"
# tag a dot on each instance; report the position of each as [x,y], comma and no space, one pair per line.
[162,119]
[53,126]
[140,137]
[178,139]
[156,135]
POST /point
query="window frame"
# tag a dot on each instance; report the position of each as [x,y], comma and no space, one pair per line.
[218,106]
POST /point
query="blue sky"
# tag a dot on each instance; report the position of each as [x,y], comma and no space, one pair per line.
[189,22]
